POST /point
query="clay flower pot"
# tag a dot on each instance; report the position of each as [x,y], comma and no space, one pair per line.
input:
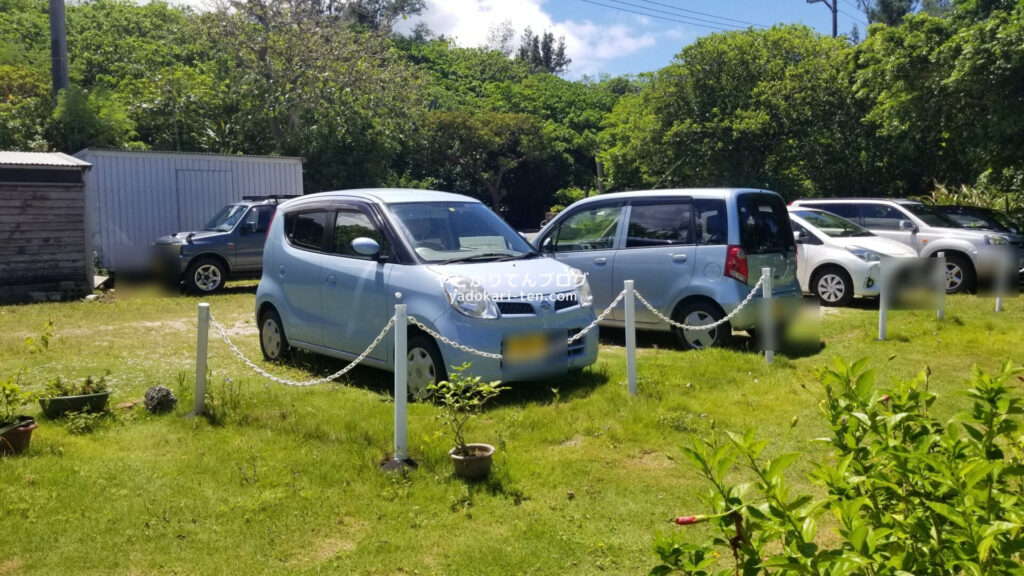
[14,438]
[475,464]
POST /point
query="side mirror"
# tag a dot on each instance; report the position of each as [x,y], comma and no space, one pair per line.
[248,228]
[546,245]
[365,246]
[908,225]
[800,236]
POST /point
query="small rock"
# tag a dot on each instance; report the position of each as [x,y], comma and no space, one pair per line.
[92,297]
[570,494]
[127,405]
[160,399]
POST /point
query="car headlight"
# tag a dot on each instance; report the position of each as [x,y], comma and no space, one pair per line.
[864,254]
[469,298]
[996,240]
[583,294]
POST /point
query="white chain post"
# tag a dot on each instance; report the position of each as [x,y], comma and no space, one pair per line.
[1001,281]
[940,283]
[767,316]
[883,297]
[199,405]
[401,382]
[631,383]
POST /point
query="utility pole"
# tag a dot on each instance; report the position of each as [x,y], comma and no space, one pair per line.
[58,47]
[832,5]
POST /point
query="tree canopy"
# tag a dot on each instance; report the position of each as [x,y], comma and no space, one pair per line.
[933,94]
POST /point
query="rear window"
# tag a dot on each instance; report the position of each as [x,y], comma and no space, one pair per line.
[306,229]
[764,224]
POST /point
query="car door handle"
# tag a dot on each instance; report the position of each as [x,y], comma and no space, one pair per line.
[280,271]
[679,257]
[600,261]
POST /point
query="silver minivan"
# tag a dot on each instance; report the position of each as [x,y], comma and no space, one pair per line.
[694,254]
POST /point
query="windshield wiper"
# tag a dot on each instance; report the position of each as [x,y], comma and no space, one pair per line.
[497,256]
[523,256]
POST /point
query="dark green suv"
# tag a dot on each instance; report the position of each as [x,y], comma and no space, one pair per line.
[229,246]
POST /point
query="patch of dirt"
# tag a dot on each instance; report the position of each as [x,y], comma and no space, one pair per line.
[648,461]
[11,566]
[345,540]
[242,328]
[574,441]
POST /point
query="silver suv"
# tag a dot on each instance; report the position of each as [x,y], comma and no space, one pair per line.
[926,230]
[693,254]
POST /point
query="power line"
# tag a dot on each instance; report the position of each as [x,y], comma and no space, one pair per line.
[744,22]
[852,17]
[622,2]
[656,17]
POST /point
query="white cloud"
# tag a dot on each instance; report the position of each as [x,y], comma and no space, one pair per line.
[589,45]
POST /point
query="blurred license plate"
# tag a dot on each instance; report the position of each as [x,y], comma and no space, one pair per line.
[525,347]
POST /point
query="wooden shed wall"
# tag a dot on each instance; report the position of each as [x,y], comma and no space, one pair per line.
[43,241]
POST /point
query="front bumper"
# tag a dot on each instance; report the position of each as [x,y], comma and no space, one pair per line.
[491,336]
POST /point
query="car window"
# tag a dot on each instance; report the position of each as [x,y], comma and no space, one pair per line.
[711,222]
[306,229]
[260,216]
[848,211]
[352,224]
[931,216]
[881,216]
[764,224]
[972,221]
[659,225]
[458,231]
[832,225]
[588,229]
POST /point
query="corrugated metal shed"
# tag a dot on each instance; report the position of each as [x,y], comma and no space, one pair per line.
[135,197]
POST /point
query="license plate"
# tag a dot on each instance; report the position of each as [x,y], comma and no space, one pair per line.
[525,347]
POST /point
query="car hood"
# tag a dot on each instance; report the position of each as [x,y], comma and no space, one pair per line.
[513,279]
[184,237]
[883,246]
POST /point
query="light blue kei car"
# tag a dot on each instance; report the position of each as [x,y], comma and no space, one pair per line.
[335,264]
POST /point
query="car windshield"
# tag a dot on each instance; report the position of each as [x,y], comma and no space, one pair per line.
[832,225]
[931,216]
[449,232]
[226,218]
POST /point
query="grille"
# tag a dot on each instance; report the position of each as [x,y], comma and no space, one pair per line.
[514,308]
[565,300]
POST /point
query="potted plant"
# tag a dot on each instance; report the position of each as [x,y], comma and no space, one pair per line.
[61,397]
[462,396]
[15,429]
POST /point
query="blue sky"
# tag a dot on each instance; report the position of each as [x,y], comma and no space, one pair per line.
[611,40]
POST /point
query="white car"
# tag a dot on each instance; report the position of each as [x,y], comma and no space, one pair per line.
[837,258]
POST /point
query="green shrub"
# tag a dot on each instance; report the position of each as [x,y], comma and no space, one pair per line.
[911,494]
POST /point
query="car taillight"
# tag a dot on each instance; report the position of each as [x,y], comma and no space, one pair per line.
[736,263]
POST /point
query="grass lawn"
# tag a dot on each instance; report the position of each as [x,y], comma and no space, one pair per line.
[584,477]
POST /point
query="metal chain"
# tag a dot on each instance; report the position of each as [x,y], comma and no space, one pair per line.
[753,292]
[415,321]
[600,318]
[286,382]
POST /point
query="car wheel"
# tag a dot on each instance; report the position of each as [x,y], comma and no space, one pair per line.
[701,313]
[959,274]
[833,286]
[206,276]
[425,366]
[273,341]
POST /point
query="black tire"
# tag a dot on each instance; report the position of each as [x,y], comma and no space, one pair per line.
[273,340]
[696,313]
[960,275]
[425,365]
[206,276]
[832,285]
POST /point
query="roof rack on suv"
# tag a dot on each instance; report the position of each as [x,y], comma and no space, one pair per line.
[274,197]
